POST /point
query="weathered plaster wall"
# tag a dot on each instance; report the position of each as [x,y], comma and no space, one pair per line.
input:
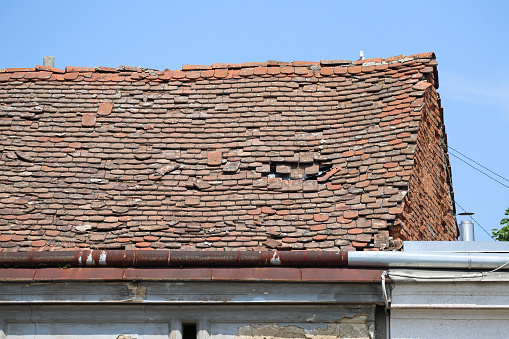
[213,321]
[348,327]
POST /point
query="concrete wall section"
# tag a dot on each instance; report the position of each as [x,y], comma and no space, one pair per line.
[452,306]
[219,322]
[449,323]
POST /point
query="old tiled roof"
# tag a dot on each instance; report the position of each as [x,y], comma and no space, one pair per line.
[298,155]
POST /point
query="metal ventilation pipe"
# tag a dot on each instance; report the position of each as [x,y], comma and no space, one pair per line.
[466,231]
[48,61]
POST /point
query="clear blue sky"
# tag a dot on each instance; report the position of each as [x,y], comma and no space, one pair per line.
[470,39]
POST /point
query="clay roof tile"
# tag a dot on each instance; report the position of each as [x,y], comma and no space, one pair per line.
[271,155]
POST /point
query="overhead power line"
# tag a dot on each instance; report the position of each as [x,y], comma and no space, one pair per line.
[475,162]
[491,236]
[486,174]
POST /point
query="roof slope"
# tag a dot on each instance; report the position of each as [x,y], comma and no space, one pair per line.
[301,155]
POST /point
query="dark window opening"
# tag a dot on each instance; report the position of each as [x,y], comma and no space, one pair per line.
[189,331]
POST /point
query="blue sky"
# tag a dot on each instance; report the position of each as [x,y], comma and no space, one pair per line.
[470,39]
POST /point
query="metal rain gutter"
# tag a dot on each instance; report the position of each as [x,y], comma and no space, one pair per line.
[178,259]
[166,258]
[438,260]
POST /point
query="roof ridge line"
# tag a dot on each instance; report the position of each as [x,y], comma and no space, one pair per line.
[270,63]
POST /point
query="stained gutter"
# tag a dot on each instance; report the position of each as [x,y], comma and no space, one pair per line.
[177,259]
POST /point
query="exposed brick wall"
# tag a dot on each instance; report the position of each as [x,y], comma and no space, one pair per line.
[428,211]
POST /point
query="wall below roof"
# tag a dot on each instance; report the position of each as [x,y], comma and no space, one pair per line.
[219,310]
[428,212]
[449,308]
[128,322]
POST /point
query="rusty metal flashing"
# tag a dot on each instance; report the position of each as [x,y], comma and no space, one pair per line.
[178,259]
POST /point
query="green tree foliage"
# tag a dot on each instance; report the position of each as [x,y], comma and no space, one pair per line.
[503,233]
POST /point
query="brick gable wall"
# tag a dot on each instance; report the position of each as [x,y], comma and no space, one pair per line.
[429,212]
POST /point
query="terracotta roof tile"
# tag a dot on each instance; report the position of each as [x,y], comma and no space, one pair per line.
[301,155]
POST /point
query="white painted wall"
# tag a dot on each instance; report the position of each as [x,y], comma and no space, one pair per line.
[450,323]
[454,307]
